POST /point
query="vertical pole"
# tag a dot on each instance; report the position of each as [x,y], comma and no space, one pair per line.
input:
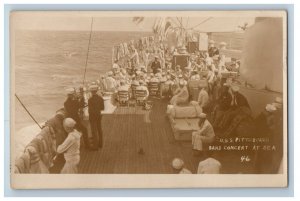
[87,54]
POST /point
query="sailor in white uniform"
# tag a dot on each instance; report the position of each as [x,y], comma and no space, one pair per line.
[70,147]
[205,134]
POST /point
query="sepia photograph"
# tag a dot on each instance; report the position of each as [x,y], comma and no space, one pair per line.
[148,99]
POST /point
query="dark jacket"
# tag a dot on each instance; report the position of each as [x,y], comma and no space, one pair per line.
[155,66]
[56,123]
[96,105]
[72,107]
[224,99]
[212,51]
[241,100]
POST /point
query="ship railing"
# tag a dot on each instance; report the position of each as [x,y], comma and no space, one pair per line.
[38,155]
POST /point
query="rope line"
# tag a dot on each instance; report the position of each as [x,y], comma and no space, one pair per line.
[28,111]
[87,54]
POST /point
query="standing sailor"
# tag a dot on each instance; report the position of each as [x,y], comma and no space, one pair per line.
[96,105]
[72,106]
[70,147]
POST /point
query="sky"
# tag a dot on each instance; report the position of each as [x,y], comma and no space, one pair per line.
[82,22]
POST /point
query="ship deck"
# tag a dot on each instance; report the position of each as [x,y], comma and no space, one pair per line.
[128,130]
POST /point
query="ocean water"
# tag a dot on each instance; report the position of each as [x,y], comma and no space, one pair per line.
[48,62]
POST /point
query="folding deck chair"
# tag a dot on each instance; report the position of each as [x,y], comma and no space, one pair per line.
[154,90]
[123,98]
[140,96]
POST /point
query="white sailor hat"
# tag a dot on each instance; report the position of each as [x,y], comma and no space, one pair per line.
[93,87]
[202,115]
[156,57]
[180,76]
[69,122]
[235,88]
[138,72]
[270,108]
[177,163]
[70,91]
[211,42]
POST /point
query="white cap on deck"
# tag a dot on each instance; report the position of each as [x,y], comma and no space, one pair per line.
[211,42]
[177,163]
[270,108]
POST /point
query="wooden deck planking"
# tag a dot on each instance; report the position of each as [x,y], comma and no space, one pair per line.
[125,132]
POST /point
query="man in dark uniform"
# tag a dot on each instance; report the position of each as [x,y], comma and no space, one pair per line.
[72,106]
[155,65]
[238,99]
[224,103]
[239,105]
[96,105]
[56,123]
